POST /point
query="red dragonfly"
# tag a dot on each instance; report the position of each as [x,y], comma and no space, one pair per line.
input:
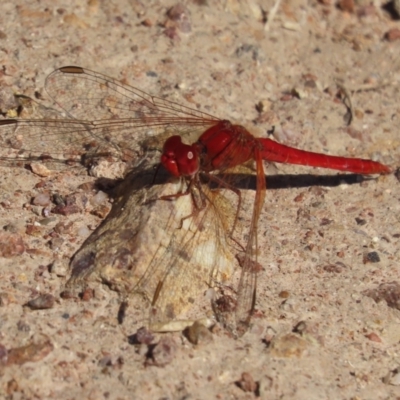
[103,114]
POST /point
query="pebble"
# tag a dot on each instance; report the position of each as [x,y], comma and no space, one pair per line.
[247,383]
[60,267]
[106,169]
[392,34]
[83,231]
[389,292]
[42,302]
[101,211]
[56,243]
[42,199]
[40,169]
[198,333]
[32,352]
[11,244]
[289,345]
[393,377]
[371,257]
[163,352]
[347,5]
[47,221]
[5,299]
[142,336]
[15,227]
[99,198]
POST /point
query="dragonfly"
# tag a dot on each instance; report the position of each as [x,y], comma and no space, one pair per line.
[104,115]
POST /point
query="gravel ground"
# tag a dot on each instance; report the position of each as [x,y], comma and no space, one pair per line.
[327,319]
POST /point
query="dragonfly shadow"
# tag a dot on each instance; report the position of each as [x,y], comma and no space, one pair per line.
[276,182]
[149,176]
[307,180]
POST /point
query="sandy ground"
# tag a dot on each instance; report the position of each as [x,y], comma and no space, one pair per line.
[327,322]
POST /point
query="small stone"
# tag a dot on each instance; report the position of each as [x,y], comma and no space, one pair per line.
[23,326]
[68,294]
[269,334]
[347,5]
[15,227]
[392,34]
[63,228]
[87,186]
[74,21]
[107,169]
[373,337]
[163,352]
[371,257]
[66,205]
[263,106]
[142,336]
[289,305]
[8,102]
[32,352]
[198,333]
[60,267]
[56,243]
[11,244]
[389,292]
[264,387]
[299,93]
[47,221]
[40,169]
[5,299]
[99,198]
[284,294]
[361,221]
[358,113]
[12,387]
[34,230]
[122,312]
[42,199]
[147,23]
[101,211]
[393,377]
[247,383]
[42,302]
[333,268]
[83,231]
[289,345]
[179,14]
[88,294]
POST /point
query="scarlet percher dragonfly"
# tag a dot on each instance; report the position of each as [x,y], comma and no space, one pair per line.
[103,113]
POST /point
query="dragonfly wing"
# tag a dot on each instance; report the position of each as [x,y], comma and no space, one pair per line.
[85,94]
[197,256]
[100,114]
[58,138]
[246,296]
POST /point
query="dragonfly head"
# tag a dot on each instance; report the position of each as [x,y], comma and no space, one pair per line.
[179,159]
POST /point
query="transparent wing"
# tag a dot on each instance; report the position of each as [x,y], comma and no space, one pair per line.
[89,95]
[198,256]
[248,279]
[101,114]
